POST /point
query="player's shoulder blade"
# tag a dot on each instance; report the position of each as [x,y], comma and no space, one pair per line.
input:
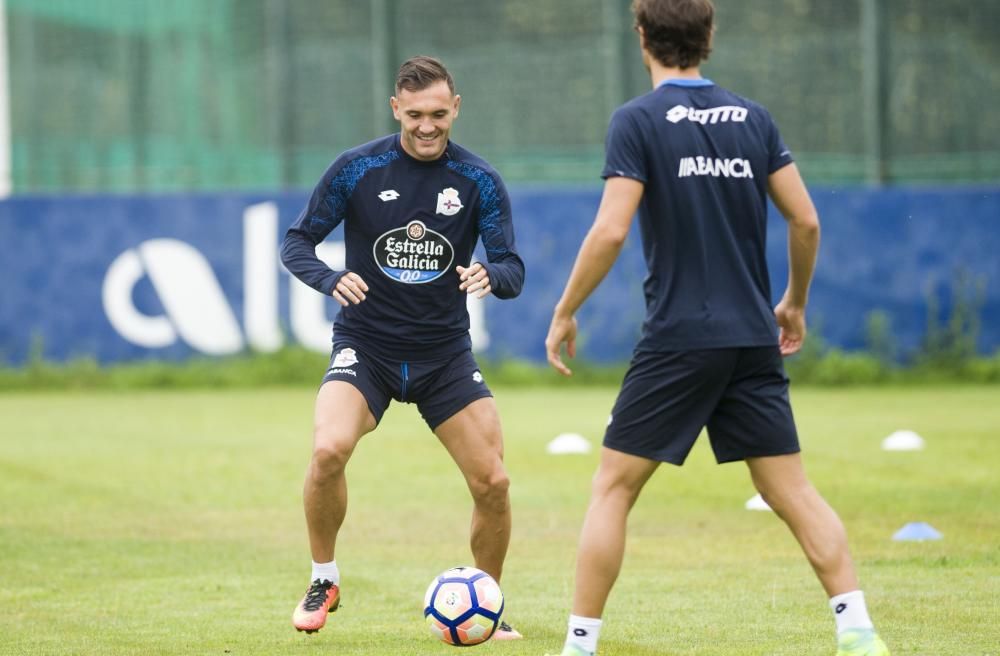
[644,104]
[716,113]
[752,105]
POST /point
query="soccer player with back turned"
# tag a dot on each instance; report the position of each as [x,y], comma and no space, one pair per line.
[413,205]
[698,163]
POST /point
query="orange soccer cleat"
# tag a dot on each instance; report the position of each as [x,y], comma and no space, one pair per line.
[321,599]
[506,632]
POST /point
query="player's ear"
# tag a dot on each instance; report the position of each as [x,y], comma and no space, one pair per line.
[394,103]
[458,103]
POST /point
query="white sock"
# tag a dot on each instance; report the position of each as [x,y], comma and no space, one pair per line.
[583,632]
[850,612]
[326,571]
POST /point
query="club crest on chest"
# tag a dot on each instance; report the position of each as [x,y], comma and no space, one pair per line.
[449,203]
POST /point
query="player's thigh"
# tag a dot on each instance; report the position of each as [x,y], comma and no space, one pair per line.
[341,417]
[474,439]
[777,477]
[620,472]
[754,417]
[665,401]
[443,389]
[369,375]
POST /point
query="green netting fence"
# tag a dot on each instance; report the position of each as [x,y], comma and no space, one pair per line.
[170,95]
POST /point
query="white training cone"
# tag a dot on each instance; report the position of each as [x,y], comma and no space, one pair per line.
[917,532]
[568,443]
[903,440]
[756,502]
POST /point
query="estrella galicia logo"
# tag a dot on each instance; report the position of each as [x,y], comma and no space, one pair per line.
[413,254]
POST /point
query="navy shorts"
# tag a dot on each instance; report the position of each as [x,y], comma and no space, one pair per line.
[439,387]
[740,394]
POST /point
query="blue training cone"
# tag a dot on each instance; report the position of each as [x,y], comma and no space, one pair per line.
[917,531]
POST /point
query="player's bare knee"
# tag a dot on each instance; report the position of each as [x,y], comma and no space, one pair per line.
[330,455]
[774,502]
[492,490]
[783,497]
[609,484]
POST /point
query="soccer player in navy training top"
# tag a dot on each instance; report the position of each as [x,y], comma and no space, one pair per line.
[413,205]
[698,162]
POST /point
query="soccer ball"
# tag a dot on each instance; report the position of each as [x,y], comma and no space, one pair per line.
[463,606]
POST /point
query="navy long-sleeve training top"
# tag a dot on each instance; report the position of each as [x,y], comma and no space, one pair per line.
[407,224]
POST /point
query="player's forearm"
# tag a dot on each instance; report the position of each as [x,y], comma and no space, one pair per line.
[598,253]
[603,243]
[788,191]
[803,245]
[506,276]
[298,254]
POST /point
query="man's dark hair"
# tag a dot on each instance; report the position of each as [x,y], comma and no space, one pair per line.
[678,33]
[420,72]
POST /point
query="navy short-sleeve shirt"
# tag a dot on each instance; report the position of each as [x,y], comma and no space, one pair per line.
[704,155]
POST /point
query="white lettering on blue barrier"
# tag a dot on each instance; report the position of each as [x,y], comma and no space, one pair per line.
[195,307]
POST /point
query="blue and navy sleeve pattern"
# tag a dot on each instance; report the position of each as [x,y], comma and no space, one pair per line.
[326,209]
[496,230]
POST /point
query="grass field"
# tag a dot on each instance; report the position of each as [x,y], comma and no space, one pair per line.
[171,523]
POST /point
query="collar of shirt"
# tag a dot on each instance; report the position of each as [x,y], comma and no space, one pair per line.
[445,156]
[686,82]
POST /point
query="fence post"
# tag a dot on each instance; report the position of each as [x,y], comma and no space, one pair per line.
[611,51]
[384,64]
[6,171]
[874,39]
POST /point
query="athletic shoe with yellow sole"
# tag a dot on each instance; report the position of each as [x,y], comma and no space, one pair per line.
[506,632]
[861,642]
[321,599]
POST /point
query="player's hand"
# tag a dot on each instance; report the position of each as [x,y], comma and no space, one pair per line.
[791,327]
[350,289]
[475,280]
[561,330]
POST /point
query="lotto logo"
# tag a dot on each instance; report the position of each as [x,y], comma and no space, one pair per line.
[723,114]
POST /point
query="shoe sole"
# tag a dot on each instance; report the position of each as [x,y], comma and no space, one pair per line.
[332,609]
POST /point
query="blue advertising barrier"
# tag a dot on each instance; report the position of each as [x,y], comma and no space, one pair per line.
[122,278]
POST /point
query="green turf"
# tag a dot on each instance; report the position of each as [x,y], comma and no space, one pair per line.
[170,523]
